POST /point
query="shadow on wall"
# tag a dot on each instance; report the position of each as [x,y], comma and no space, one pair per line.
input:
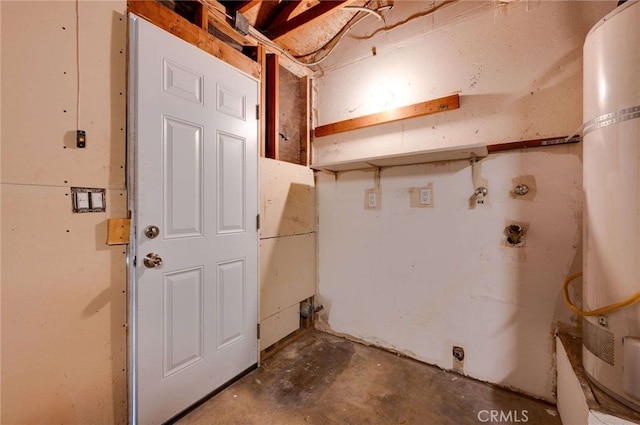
[535,270]
[114,298]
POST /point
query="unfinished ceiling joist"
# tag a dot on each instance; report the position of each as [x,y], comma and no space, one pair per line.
[411,158]
[169,21]
[324,8]
[442,104]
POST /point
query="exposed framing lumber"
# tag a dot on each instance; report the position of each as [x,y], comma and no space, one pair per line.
[287,10]
[305,133]
[217,18]
[202,16]
[246,5]
[323,9]
[272,106]
[262,60]
[169,21]
[442,104]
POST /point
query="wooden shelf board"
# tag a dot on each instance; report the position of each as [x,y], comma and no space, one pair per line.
[434,106]
[411,158]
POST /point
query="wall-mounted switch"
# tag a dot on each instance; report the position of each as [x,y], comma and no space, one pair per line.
[88,200]
[82,200]
[97,200]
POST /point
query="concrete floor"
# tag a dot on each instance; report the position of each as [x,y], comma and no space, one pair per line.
[322,379]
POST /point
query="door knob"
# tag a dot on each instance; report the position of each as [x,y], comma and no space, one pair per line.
[151,231]
[152,260]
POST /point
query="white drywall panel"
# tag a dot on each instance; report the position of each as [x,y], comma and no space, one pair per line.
[279,325]
[287,272]
[421,280]
[63,312]
[287,199]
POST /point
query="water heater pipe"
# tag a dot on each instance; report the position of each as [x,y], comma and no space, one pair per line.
[599,311]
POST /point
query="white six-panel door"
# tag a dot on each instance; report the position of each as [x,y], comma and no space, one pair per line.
[195,135]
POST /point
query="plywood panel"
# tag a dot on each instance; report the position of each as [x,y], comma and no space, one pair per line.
[290,126]
[287,199]
[64,310]
[287,272]
[279,325]
[41,81]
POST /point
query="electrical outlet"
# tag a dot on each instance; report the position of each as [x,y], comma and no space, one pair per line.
[372,199]
[425,196]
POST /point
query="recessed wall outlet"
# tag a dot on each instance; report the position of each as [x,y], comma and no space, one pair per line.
[422,196]
[372,199]
[425,196]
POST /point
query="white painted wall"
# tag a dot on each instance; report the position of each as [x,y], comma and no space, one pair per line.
[420,280]
[518,72]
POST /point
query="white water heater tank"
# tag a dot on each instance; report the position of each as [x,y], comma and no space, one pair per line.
[611,143]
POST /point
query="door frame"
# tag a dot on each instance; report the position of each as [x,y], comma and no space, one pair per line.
[131,167]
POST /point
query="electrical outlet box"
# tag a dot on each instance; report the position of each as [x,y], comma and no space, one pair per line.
[422,196]
[372,199]
[425,196]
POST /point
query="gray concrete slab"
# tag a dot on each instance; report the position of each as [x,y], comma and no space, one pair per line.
[323,379]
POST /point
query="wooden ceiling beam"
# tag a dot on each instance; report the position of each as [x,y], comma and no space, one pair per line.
[243,6]
[288,9]
[324,8]
[170,21]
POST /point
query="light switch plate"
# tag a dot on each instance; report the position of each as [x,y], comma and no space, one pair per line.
[97,200]
[87,199]
[82,200]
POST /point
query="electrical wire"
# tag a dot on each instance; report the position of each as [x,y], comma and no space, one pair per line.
[341,34]
[77,64]
[364,9]
[599,311]
[337,39]
[257,34]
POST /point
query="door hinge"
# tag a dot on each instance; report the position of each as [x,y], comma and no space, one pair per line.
[258,330]
[258,112]
[258,222]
